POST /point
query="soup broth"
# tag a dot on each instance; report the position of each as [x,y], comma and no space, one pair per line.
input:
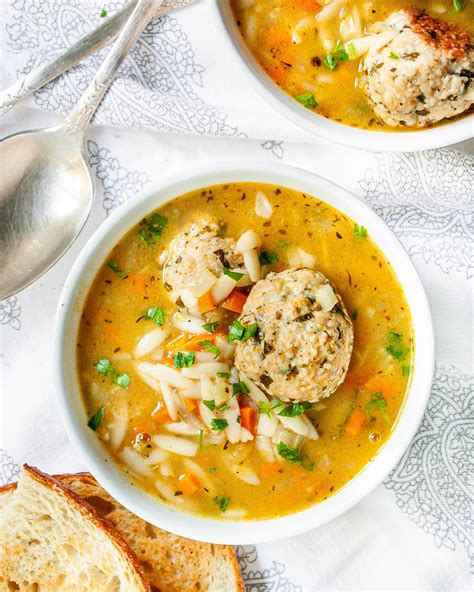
[313,60]
[247,479]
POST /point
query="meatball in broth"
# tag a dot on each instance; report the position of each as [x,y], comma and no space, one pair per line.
[304,345]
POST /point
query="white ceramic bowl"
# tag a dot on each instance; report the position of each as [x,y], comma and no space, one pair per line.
[391,141]
[69,398]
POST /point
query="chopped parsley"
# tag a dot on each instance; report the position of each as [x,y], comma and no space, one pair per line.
[184,360]
[307,100]
[377,402]
[267,408]
[210,404]
[395,346]
[210,347]
[293,455]
[405,370]
[154,228]
[156,314]
[219,424]
[221,502]
[296,409]
[115,267]
[458,5]
[268,257]
[393,56]
[122,379]
[223,374]
[360,232]
[223,407]
[211,327]
[238,332]
[334,57]
[103,13]
[96,419]
[235,275]
[240,387]
[212,469]
[106,368]
[351,50]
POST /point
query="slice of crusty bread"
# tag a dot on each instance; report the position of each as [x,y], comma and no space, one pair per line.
[171,563]
[51,540]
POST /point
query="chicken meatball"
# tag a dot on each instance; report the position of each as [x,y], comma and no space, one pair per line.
[199,248]
[303,345]
[423,74]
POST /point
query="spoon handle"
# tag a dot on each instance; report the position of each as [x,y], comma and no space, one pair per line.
[79,117]
[83,48]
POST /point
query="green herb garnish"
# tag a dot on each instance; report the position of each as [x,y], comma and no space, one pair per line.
[117,269]
[156,314]
[458,5]
[377,402]
[235,275]
[393,56]
[96,419]
[295,410]
[103,13]
[240,387]
[212,469]
[355,314]
[267,408]
[184,360]
[122,379]
[334,57]
[395,346]
[238,332]
[154,228]
[360,232]
[219,424]
[405,370]
[307,100]
[210,347]
[268,257]
[106,368]
[223,374]
[211,327]
[307,463]
[290,454]
[210,404]
[221,502]
[223,407]
[351,50]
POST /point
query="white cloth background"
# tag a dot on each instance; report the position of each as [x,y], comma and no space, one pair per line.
[181,99]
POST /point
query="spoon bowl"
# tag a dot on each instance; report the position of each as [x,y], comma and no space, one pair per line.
[46,192]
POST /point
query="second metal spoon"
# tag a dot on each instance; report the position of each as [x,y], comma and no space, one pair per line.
[46,188]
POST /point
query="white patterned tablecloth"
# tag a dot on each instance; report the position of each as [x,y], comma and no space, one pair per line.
[178,100]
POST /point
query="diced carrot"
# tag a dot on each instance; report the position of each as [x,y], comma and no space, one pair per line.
[190,404]
[247,418]
[355,422]
[189,484]
[269,470]
[193,343]
[161,415]
[310,5]
[356,377]
[176,344]
[206,302]
[138,282]
[235,301]
[277,73]
[379,384]
[112,332]
[276,36]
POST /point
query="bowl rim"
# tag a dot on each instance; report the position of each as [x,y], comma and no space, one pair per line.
[69,400]
[373,141]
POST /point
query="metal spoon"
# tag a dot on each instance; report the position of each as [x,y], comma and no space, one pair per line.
[46,188]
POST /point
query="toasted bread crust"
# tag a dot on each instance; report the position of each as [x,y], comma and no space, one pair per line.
[61,480]
[90,513]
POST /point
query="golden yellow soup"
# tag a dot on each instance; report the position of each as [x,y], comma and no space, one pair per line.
[314,58]
[188,464]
